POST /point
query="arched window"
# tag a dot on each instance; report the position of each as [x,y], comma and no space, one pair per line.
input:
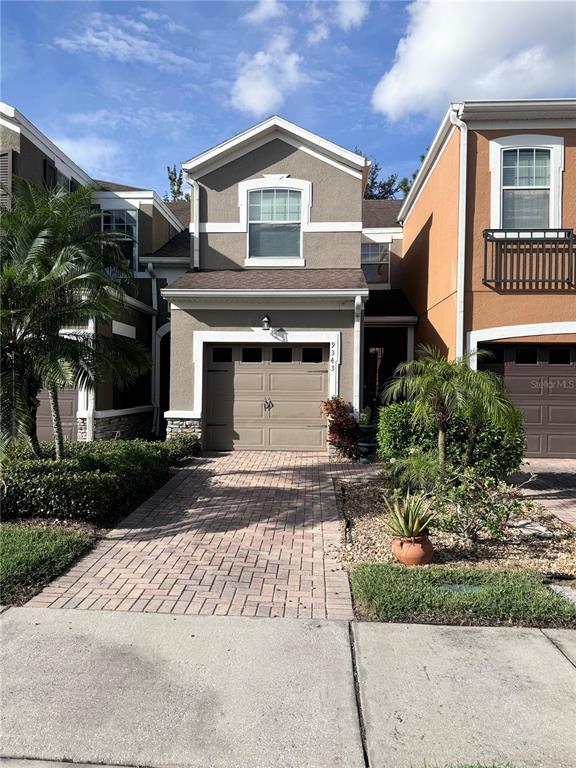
[274,223]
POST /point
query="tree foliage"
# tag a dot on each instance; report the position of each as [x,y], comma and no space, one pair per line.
[176,182]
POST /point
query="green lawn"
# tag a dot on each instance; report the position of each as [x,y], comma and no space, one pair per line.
[422,595]
[33,555]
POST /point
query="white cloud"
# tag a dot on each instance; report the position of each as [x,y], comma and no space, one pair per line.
[344,14]
[146,119]
[98,156]
[454,51]
[163,19]
[121,38]
[265,10]
[264,80]
[351,13]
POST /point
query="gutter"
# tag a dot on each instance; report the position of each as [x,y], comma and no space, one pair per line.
[204,293]
[194,224]
[455,113]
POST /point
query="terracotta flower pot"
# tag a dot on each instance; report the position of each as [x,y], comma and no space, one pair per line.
[417,551]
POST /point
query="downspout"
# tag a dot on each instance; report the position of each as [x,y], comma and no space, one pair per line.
[194,224]
[357,380]
[90,395]
[154,393]
[455,112]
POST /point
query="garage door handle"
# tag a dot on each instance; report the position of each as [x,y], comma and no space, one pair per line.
[268,404]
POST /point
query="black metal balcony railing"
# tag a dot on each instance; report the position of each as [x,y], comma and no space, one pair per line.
[540,259]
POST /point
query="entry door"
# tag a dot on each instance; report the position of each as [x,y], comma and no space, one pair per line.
[266,397]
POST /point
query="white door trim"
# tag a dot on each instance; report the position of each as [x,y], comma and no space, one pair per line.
[201,338]
[159,335]
[511,331]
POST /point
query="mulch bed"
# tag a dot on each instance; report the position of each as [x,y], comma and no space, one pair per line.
[366,539]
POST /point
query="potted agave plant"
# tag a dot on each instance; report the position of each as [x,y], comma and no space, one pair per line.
[409,519]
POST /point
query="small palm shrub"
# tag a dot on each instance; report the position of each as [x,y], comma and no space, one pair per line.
[496,453]
[409,516]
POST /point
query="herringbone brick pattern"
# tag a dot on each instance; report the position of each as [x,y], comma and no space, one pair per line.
[243,534]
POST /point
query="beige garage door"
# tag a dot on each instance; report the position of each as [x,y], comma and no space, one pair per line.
[68,400]
[260,397]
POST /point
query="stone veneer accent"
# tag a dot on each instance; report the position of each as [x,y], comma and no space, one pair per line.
[183,426]
[123,427]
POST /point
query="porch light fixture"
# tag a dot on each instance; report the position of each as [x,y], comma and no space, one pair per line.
[265,323]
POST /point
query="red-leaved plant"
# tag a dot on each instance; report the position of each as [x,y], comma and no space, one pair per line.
[342,426]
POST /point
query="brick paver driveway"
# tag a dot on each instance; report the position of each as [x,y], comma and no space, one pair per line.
[554,486]
[245,533]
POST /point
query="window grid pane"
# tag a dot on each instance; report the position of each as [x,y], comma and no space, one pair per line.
[268,205]
[526,167]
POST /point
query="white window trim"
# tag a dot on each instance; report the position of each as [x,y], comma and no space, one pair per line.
[512,331]
[128,209]
[277,181]
[257,336]
[539,141]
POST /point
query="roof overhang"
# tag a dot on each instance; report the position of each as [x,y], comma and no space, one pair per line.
[134,199]
[269,129]
[296,293]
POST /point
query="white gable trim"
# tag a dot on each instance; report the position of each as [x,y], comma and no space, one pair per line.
[274,127]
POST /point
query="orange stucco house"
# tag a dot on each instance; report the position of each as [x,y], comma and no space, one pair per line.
[489,258]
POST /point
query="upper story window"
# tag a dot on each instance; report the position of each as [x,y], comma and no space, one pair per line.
[274,223]
[125,222]
[526,182]
[525,188]
[375,259]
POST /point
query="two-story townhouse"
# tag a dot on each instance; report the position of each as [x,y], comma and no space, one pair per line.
[489,258]
[269,319]
[148,223]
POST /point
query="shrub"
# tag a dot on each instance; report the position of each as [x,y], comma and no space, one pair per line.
[342,426]
[495,454]
[100,480]
[182,446]
[470,504]
[417,472]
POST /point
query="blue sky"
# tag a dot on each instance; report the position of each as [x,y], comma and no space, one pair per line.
[127,88]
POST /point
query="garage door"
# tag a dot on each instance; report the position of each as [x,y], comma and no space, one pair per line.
[68,400]
[261,397]
[542,382]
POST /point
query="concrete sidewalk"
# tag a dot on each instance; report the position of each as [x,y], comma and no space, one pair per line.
[132,689]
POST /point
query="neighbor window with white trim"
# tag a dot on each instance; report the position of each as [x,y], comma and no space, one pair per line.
[124,222]
[375,259]
[525,188]
[274,223]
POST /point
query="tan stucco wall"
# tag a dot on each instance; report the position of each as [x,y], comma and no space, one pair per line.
[331,250]
[185,322]
[143,325]
[336,197]
[487,307]
[550,338]
[429,264]
[9,139]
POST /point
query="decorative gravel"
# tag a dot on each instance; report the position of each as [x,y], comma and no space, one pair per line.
[366,538]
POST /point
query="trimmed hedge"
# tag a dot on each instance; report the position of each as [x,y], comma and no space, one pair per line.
[99,481]
[495,455]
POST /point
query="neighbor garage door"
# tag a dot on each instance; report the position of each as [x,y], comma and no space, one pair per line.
[260,397]
[68,401]
[542,382]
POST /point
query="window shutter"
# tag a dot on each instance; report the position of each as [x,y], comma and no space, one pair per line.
[5,179]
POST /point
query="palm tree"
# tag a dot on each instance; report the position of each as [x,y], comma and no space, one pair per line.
[59,271]
[441,389]
[487,402]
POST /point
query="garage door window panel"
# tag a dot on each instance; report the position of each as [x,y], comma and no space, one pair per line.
[251,354]
[222,355]
[526,356]
[312,355]
[281,354]
[559,356]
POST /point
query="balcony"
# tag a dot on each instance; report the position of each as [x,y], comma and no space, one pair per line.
[529,259]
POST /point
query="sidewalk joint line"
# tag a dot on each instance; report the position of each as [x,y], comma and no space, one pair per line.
[558,648]
[357,696]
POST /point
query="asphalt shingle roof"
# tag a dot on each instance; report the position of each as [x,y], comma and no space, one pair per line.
[273,279]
